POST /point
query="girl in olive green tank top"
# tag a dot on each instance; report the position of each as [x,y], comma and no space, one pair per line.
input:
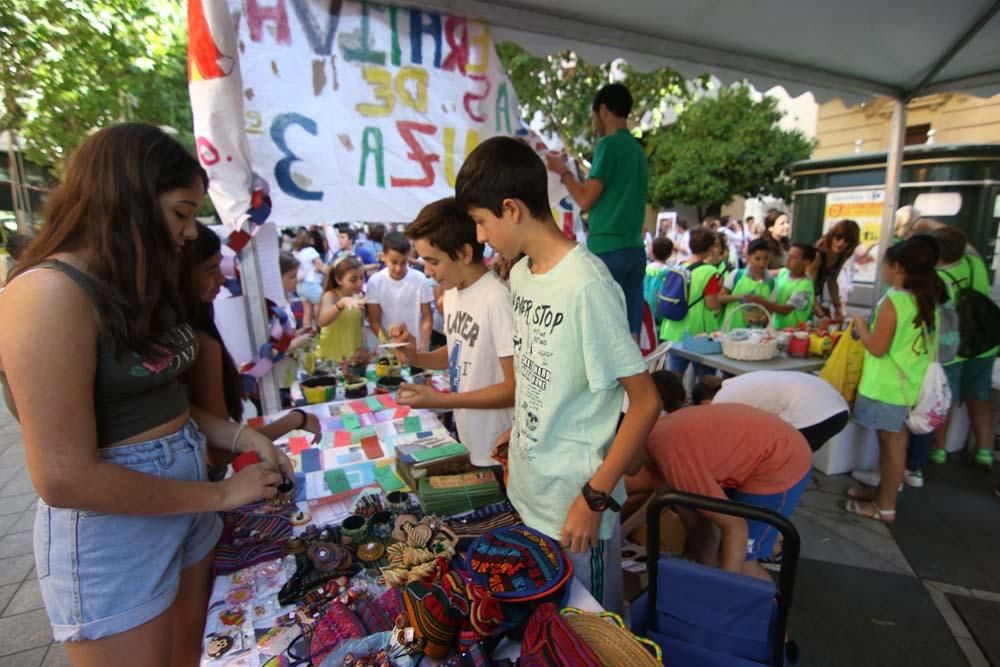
[897,354]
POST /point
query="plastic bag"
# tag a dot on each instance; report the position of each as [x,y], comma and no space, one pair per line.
[843,368]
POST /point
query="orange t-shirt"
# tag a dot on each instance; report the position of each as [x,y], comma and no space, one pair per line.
[708,448]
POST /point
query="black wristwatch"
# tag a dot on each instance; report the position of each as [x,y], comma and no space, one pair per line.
[598,501]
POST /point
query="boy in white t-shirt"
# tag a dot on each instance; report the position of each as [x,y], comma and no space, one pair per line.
[575,361]
[478,323]
[396,295]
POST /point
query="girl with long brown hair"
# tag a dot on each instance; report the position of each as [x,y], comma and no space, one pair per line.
[95,340]
[835,248]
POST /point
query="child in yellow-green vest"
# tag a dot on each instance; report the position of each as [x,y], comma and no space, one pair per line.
[792,298]
[898,351]
[703,297]
[742,284]
[971,380]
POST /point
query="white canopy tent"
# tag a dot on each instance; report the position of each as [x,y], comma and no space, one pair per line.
[849,49]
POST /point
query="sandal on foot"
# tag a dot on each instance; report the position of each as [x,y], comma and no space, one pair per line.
[867,493]
[939,456]
[854,507]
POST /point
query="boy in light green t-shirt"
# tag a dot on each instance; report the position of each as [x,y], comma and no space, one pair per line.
[792,299]
[754,280]
[574,361]
[971,380]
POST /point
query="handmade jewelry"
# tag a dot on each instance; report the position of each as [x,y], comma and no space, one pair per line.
[301,518]
[354,529]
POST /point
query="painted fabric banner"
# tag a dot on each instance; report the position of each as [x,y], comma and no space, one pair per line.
[344,111]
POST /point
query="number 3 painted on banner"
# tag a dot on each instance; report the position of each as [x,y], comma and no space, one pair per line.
[283,168]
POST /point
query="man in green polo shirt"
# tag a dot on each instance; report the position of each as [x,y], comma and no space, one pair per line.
[615,196]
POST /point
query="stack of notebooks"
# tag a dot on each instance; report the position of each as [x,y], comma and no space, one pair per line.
[427,454]
[446,495]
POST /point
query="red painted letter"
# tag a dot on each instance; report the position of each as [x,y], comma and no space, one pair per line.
[257,16]
[406,129]
[458,52]
[471,97]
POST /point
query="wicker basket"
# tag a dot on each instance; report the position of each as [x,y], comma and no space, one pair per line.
[607,636]
[749,350]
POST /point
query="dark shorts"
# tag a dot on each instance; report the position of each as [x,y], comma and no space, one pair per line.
[762,536]
[628,267]
[971,379]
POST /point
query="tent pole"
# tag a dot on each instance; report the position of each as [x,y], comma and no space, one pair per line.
[256,305]
[893,173]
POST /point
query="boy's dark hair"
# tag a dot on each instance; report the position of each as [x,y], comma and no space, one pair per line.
[446,226]
[396,241]
[749,219]
[287,262]
[758,245]
[701,240]
[952,241]
[348,231]
[504,168]
[808,252]
[662,248]
[682,223]
[377,232]
[702,392]
[671,389]
[616,98]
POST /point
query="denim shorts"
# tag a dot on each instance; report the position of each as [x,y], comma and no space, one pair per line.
[879,416]
[762,536]
[102,574]
[311,292]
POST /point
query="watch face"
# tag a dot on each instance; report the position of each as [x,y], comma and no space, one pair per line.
[598,504]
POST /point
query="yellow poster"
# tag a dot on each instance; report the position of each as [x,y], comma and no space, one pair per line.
[865,208]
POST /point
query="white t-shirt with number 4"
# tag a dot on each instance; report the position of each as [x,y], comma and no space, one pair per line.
[479,325]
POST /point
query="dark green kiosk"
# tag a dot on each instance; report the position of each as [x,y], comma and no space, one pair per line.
[958,184]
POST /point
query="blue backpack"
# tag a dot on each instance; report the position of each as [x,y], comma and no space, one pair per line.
[672,301]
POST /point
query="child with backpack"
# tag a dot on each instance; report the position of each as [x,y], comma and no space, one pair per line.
[655,271]
[688,301]
[898,352]
[792,298]
[754,280]
[970,374]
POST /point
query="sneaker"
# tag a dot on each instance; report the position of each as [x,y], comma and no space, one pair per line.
[914,478]
[984,457]
[939,456]
[867,477]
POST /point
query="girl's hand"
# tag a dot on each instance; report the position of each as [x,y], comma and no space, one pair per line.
[300,342]
[311,425]
[268,453]
[255,482]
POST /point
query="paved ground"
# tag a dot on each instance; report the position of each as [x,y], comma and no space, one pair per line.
[864,595]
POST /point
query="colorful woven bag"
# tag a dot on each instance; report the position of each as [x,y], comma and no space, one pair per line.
[339,623]
[516,563]
[549,641]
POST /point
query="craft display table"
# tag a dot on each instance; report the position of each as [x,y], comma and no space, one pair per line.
[355,458]
[734,367]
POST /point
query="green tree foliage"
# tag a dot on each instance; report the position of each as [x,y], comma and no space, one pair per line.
[70,66]
[562,86]
[721,147]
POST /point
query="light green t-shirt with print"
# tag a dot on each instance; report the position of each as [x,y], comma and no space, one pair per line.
[571,345]
[742,283]
[796,291]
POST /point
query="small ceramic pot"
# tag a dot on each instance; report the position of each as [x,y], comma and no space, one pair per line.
[354,530]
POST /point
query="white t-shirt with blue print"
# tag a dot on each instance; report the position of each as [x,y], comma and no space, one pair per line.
[479,326]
